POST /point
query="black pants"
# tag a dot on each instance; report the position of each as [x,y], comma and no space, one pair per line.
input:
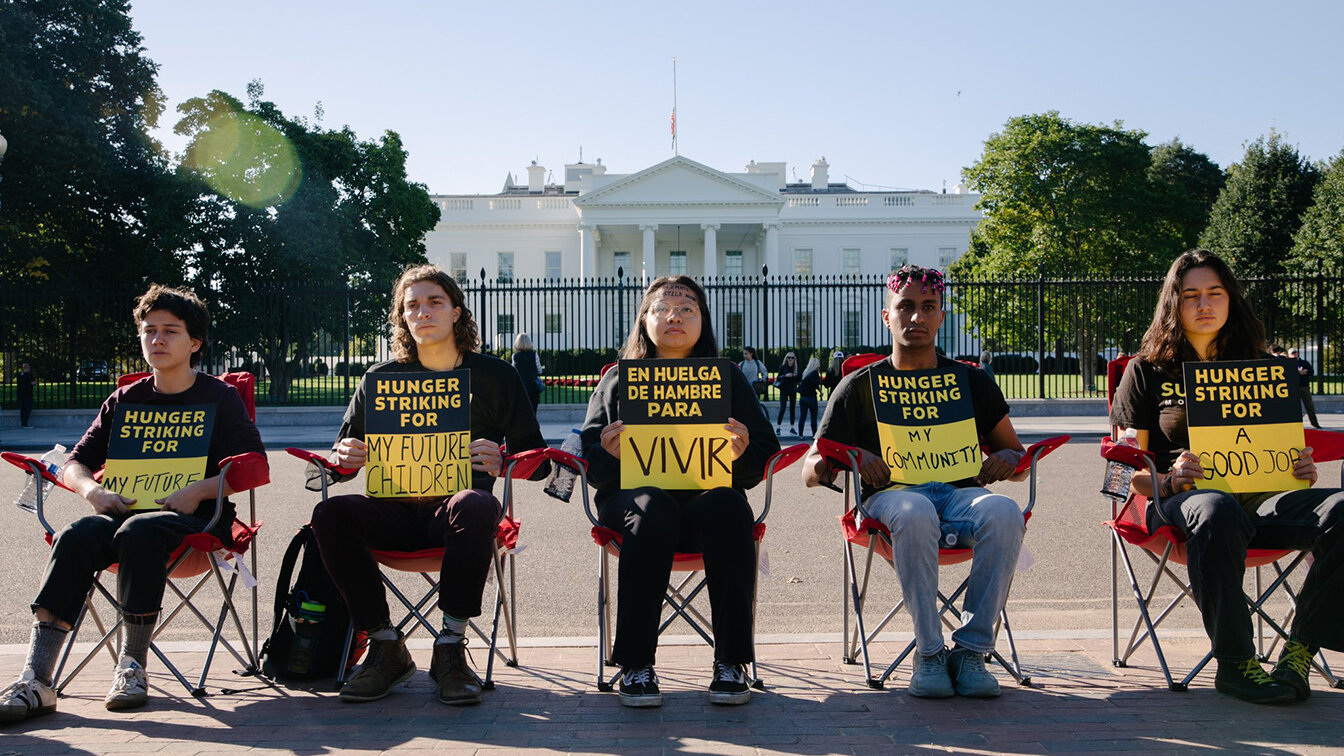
[349,527]
[807,406]
[1309,405]
[139,545]
[654,525]
[789,397]
[1219,530]
[25,410]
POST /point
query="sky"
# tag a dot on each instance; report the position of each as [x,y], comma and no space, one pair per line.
[894,94]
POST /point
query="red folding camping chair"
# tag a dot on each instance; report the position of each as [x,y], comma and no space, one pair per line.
[200,557]
[427,563]
[681,592]
[869,534]
[1166,546]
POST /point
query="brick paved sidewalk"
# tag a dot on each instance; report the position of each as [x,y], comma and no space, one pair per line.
[814,705]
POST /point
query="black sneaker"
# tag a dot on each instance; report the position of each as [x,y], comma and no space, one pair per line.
[639,688]
[1248,681]
[1294,668]
[729,686]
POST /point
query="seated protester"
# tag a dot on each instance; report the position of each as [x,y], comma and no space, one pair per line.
[432,330]
[915,514]
[673,323]
[1202,315]
[174,327]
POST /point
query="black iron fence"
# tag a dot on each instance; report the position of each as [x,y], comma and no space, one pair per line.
[309,342]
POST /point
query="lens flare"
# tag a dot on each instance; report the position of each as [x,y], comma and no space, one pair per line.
[246,160]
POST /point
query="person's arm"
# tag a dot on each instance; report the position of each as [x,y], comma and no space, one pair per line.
[79,479]
[521,430]
[762,443]
[1006,452]
[838,425]
[599,428]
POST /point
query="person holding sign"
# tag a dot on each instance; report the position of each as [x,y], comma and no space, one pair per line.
[154,420]
[428,426]
[1202,316]
[697,502]
[920,419]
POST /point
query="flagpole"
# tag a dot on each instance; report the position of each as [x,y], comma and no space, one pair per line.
[674,106]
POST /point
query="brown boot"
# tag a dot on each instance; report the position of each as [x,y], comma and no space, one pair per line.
[458,684]
[387,665]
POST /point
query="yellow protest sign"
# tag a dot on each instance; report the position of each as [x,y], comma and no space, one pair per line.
[926,423]
[418,428]
[674,413]
[154,450]
[1245,421]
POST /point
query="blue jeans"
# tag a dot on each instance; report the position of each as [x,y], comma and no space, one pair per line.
[992,523]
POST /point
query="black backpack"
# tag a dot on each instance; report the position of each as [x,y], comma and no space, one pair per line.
[313,585]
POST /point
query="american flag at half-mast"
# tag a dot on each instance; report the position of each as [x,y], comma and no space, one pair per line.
[674,127]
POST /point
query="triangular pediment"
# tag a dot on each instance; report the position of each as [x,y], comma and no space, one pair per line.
[679,181]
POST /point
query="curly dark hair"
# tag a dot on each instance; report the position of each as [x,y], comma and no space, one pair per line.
[464,331]
[1165,346]
[931,278]
[638,345]
[184,305]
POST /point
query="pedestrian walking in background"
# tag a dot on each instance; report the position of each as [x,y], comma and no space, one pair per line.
[786,380]
[1304,373]
[754,370]
[808,387]
[528,364]
[833,372]
[25,382]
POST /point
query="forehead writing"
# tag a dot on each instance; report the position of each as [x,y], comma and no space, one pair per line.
[676,290]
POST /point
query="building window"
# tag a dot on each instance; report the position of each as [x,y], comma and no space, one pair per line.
[802,262]
[849,261]
[732,262]
[554,322]
[553,265]
[853,328]
[802,330]
[505,262]
[457,266]
[620,264]
[900,256]
[732,331]
[504,328]
[945,256]
[676,263]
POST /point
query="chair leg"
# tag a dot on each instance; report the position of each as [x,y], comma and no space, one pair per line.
[1143,611]
[857,599]
[603,622]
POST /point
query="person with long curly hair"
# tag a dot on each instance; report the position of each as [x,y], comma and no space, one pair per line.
[432,331]
[1202,315]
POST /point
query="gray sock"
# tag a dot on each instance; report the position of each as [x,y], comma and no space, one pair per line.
[384,632]
[137,630]
[45,649]
[454,629]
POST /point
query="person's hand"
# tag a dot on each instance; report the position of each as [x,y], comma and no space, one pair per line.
[739,435]
[873,470]
[182,500]
[105,502]
[1305,467]
[998,466]
[351,453]
[611,438]
[486,457]
[1185,472]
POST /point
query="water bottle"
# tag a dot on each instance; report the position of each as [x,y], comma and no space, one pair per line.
[305,623]
[53,460]
[1116,482]
[957,534]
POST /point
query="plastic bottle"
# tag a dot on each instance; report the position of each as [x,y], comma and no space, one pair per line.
[53,460]
[305,621]
[1116,482]
[955,535]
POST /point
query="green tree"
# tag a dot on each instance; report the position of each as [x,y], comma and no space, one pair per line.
[1253,221]
[1318,250]
[1187,183]
[281,200]
[1062,199]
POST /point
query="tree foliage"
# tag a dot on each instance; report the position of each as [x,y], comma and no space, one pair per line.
[1186,183]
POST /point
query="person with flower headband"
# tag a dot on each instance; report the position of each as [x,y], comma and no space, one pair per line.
[992,524]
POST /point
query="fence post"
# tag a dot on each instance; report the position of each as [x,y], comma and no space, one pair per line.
[1040,331]
[345,348]
[765,311]
[72,359]
[482,322]
[1320,328]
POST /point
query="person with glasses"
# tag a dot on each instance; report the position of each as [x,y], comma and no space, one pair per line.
[673,323]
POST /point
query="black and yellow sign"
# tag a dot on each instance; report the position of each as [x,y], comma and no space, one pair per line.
[926,424]
[155,450]
[1245,420]
[674,413]
[418,428]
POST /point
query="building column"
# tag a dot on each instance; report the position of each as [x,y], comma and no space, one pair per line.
[772,247]
[711,248]
[648,250]
[587,252]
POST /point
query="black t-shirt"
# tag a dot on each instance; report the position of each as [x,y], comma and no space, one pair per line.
[25,385]
[500,409]
[1151,400]
[851,418]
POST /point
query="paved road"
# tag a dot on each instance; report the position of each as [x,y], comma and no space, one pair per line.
[1066,589]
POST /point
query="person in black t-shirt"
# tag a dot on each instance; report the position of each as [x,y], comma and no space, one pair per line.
[1202,315]
[174,327]
[432,330]
[1304,373]
[992,524]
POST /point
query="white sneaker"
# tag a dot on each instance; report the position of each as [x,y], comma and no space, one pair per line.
[130,687]
[26,697]
[930,678]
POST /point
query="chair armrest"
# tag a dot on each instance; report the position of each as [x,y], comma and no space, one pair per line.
[1326,446]
[244,472]
[319,460]
[32,466]
[1131,456]
[1038,451]
[840,455]
[784,458]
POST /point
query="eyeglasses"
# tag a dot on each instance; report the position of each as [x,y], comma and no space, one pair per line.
[685,312]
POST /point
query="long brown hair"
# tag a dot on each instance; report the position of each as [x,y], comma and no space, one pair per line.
[1241,337]
[638,345]
[464,330]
